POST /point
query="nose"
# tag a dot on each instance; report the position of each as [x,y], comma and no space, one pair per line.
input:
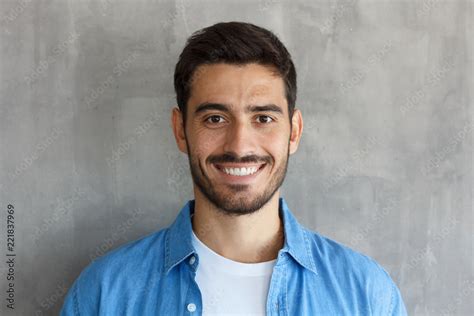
[240,139]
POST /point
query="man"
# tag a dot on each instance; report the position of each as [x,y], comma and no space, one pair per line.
[236,248]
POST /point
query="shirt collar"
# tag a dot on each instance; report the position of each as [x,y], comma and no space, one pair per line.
[178,245]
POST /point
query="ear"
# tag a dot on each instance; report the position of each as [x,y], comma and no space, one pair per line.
[178,129]
[296,130]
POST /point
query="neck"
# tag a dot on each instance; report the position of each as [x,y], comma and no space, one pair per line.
[252,238]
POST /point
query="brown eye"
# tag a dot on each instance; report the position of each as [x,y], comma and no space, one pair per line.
[268,119]
[213,119]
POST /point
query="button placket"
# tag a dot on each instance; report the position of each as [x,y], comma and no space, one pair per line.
[192,304]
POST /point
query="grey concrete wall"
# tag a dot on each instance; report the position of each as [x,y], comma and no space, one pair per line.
[88,159]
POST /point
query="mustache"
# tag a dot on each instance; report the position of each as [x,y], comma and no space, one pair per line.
[233,159]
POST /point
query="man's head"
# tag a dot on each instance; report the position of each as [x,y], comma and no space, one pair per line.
[236,91]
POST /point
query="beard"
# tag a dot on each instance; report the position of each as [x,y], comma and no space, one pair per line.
[237,199]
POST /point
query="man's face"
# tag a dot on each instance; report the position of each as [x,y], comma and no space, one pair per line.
[237,135]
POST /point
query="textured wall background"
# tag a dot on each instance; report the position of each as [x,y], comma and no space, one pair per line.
[88,159]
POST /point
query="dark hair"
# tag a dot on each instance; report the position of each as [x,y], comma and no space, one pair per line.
[236,43]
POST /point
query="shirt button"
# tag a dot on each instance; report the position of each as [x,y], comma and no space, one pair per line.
[191,261]
[191,307]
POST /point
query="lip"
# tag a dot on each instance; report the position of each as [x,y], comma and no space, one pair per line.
[228,178]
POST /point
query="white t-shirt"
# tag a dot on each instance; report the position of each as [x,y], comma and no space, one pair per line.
[231,287]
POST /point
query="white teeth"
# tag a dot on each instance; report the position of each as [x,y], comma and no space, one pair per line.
[240,171]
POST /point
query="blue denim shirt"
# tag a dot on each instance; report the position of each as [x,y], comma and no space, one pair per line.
[155,275]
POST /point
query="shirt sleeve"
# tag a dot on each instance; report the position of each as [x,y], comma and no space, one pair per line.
[83,298]
[397,307]
[385,297]
[70,307]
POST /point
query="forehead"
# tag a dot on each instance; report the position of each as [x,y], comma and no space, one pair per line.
[236,85]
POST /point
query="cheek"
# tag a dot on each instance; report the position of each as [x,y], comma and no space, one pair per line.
[198,141]
[204,145]
[276,139]
[275,146]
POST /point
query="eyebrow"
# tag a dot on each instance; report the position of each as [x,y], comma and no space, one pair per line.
[208,106]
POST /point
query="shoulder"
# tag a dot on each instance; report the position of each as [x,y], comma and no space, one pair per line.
[116,273]
[347,267]
[144,251]
[339,256]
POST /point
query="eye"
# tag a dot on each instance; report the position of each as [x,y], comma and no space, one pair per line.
[268,119]
[214,119]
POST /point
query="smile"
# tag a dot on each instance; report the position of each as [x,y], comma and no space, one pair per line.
[239,170]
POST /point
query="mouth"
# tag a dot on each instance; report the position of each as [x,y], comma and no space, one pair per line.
[238,173]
